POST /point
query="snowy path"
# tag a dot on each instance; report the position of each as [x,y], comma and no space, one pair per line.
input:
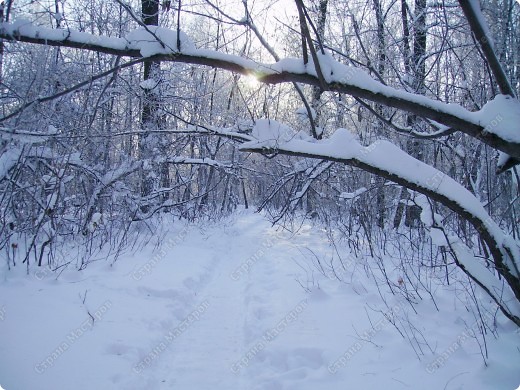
[221,306]
[202,357]
[236,299]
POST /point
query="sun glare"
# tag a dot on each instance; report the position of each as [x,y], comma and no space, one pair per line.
[251,81]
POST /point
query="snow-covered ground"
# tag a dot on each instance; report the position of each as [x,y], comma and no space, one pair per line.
[233,305]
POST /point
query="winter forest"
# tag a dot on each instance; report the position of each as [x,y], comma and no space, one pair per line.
[260,194]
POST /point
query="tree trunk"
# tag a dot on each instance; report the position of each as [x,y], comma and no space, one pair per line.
[150,119]
[418,77]
[317,91]
[403,195]
[381,60]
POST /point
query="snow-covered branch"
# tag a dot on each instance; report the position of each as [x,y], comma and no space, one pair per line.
[198,161]
[388,161]
[496,123]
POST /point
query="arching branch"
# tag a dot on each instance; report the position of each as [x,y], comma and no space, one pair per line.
[340,78]
[388,161]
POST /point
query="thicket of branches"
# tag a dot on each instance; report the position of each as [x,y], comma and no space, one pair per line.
[96,143]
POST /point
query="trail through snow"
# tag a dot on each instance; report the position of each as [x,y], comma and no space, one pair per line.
[231,305]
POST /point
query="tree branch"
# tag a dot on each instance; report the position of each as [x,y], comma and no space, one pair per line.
[471,9]
[397,166]
[354,81]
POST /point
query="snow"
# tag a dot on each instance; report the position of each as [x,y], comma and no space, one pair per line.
[271,130]
[438,237]
[154,40]
[96,217]
[8,160]
[501,116]
[26,28]
[502,159]
[221,306]
[352,195]
[58,16]
[289,65]
[202,161]
[149,84]
[150,41]
[95,221]
[431,221]
[343,137]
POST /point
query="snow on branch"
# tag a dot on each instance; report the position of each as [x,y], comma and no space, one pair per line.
[496,124]
[381,157]
[198,161]
[484,275]
[388,161]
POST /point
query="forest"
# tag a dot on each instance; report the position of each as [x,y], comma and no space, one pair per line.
[393,126]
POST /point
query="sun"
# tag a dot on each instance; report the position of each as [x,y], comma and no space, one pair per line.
[250,81]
